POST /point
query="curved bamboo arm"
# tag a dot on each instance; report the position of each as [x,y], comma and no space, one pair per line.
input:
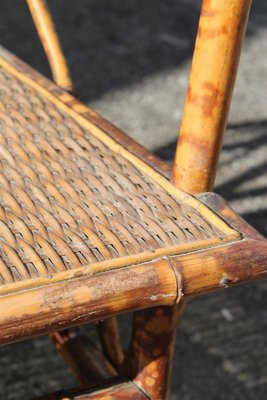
[49,39]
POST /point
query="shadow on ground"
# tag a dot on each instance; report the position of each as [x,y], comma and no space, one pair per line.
[112,43]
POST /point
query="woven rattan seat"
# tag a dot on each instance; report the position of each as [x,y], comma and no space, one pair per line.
[89,227]
[69,200]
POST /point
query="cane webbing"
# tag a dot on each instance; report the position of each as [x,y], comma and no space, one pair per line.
[68,200]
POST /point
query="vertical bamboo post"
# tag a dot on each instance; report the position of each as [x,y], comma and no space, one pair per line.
[217,51]
[149,361]
[82,356]
[216,56]
[49,39]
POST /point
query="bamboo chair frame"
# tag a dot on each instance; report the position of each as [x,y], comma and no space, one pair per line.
[171,278]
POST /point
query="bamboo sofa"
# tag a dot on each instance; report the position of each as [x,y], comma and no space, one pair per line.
[93,225]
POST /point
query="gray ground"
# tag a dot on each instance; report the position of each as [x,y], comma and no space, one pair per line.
[129,60]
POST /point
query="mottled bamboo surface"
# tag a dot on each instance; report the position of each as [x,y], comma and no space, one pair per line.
[129,61]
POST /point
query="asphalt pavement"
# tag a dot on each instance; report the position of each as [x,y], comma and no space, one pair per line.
[130,61]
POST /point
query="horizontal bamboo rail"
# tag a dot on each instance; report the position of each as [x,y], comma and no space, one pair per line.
[118,388]
[85,299]
[162,282]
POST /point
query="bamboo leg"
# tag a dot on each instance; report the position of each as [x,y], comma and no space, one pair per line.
[48,36]
[88,364]
[216,56]
[110,341]
[152,347]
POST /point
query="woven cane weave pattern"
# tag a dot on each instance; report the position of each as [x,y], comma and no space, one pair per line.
[66,200]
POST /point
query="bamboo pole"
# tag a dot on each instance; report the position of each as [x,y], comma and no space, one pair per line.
[83,357]
[109,335]
[216,57]
[49,39]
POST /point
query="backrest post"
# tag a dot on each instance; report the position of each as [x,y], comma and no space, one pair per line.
[219,40]
[48,36]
